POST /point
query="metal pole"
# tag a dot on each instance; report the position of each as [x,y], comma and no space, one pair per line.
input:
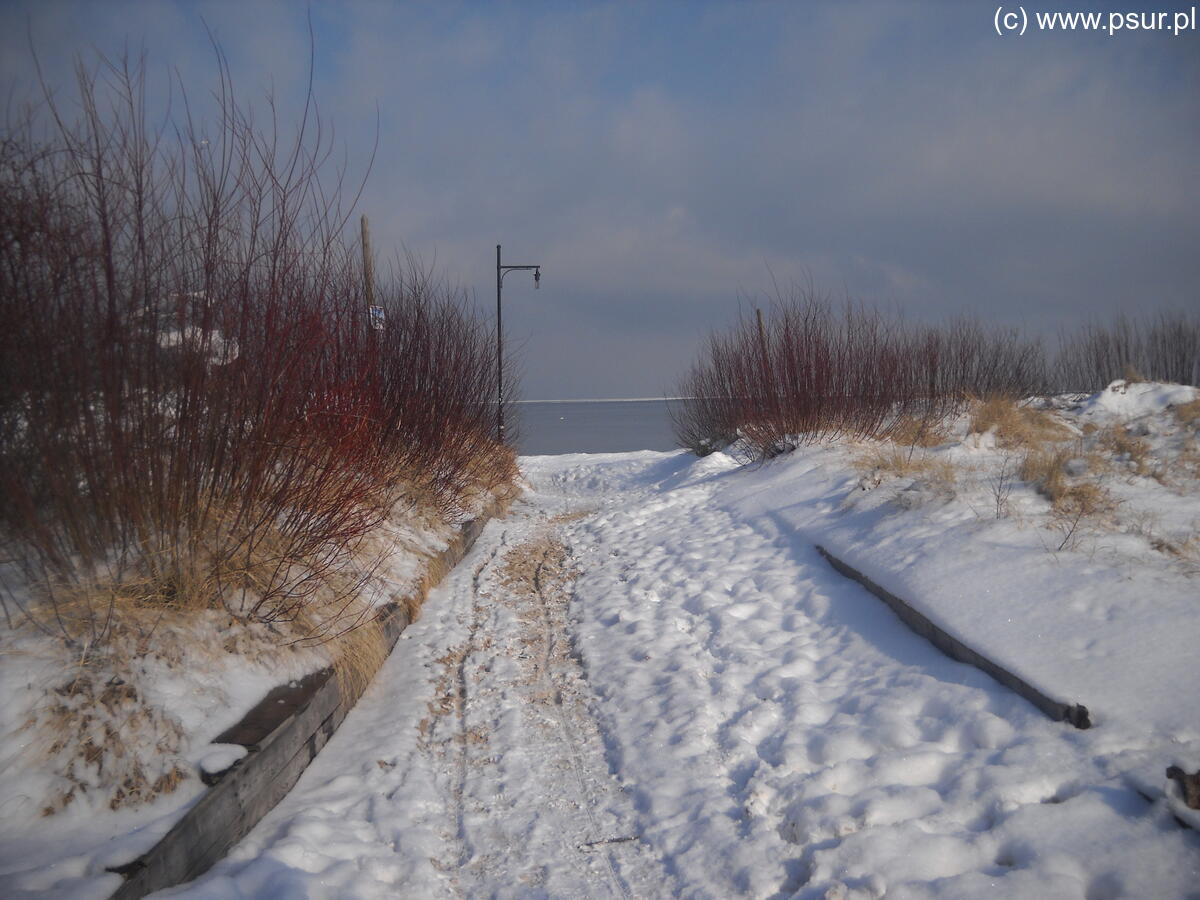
[368,273]
[499,357]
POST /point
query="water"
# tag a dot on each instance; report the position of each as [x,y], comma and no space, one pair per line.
[592,426]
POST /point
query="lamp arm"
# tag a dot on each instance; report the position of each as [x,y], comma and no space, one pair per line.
[504,270]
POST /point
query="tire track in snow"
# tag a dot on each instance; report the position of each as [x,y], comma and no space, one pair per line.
[462,736]
[532,803]
[569,738]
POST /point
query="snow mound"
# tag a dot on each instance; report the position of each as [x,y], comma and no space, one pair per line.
[218,758]
[1131,400]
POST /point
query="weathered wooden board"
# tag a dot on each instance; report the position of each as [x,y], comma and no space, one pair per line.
[282,734]
[1058,710]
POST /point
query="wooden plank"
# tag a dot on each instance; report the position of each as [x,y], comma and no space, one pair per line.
[283,733]
[230,808]
[272,710]
[1059,711]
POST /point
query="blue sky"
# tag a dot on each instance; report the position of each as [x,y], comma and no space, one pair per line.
[661,160]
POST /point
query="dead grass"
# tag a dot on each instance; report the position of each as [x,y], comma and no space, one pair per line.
[357,656]
[1186,551]
[92,725]
[1126,448]
[881,459]
[911,431]
[1188,460]
[1046,470]
[96,731]
[1016,426]
[104,739]
[1188,414]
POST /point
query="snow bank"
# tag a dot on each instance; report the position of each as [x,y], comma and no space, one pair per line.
[1130,400]
[774,730]
[204,674]
[785,735]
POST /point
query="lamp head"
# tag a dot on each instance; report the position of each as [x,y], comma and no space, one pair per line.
[537,278]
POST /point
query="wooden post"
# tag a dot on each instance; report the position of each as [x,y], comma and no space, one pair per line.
[499,352]
[368,268]
[768,382]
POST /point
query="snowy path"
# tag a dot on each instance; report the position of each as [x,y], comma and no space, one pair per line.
[629,689]
[533,805]
[473,765]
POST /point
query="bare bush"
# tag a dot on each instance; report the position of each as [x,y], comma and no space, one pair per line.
[1165,347]
[194,405]
[811,371]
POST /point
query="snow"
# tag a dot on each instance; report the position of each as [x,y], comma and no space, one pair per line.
[743,721]
[647,682]
[1067,622]
[66,854]
[218,758]
[761,702]
[219,350]
[202,678]
[426,794]
[1130,400]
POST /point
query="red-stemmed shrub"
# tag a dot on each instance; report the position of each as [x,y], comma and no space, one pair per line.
[195,407]
[809,371]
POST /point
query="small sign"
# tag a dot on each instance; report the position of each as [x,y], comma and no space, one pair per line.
[377,318]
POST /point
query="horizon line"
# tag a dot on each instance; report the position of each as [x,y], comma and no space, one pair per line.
[604,400]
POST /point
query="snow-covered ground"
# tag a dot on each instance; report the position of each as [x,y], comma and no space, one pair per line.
[99,761]
[646,682]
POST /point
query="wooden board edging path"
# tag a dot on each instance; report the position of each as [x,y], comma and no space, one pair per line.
[282,734]
[1074,713]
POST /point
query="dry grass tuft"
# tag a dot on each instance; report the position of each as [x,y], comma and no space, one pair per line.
[1016,425]
[1046,469]
[912,431]
[1126,448]
[103,739]
[357,656]
[1188,459]
[880,459]
[1188,414]
[1187,551]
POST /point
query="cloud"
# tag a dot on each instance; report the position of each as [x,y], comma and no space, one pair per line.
[661,159]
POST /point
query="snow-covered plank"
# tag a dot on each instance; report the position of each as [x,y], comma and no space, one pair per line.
[283,733]
[1058,710]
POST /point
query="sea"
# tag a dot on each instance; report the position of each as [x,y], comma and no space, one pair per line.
[592,426]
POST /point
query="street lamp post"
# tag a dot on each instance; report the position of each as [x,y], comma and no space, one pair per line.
[501,271]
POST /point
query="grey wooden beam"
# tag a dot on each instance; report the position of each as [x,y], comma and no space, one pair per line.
[282,734]
[1058,710]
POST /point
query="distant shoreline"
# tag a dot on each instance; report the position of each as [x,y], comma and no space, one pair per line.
[608,400]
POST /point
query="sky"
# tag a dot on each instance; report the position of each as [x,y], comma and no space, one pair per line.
[665,162]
